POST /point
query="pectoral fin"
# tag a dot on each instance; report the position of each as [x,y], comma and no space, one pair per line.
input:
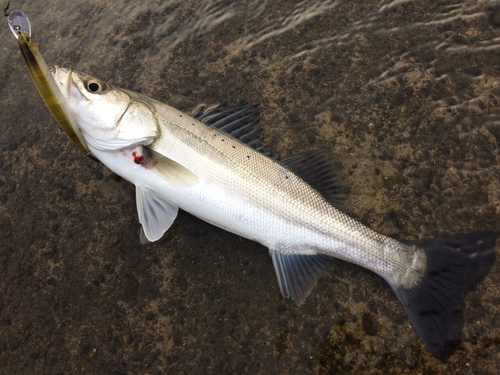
[298,273]
[155,214]
[173,172]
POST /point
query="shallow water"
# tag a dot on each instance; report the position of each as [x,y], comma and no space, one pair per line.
[406,92]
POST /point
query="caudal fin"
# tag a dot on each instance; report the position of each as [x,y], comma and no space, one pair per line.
[455,265]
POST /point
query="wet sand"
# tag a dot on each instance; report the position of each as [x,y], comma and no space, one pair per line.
[406,93]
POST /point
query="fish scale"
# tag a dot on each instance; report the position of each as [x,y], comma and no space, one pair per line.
[259,180]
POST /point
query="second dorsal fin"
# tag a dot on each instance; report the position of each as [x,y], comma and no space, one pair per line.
[240,122]
[324,172]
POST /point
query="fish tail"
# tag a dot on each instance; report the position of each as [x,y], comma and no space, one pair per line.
[455,265]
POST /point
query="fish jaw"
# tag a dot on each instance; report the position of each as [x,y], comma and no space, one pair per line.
[109,119]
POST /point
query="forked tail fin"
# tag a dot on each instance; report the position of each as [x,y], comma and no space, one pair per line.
[455,265]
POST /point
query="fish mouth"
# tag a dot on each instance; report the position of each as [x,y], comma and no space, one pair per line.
[66,84]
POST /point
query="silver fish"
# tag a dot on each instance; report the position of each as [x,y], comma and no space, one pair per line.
[212,164]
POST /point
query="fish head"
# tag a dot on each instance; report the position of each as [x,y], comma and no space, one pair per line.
[109,118]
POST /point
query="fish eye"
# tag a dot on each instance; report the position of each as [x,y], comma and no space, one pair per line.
[95,86]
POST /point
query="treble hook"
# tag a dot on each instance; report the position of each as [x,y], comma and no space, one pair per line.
[5,8]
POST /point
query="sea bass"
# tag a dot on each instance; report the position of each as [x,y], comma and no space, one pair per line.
[213,165]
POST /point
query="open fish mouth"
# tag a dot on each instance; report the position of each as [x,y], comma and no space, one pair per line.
[69,89]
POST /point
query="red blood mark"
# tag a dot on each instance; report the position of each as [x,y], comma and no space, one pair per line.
[138,159]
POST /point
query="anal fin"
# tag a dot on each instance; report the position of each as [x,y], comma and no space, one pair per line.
[298,273]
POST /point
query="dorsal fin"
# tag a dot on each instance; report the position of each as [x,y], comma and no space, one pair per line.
[202,111]
[323,171]
[240,122]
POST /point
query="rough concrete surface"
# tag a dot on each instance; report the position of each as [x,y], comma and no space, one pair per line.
[407,93]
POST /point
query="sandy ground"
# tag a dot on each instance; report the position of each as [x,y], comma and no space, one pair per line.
[405,92]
